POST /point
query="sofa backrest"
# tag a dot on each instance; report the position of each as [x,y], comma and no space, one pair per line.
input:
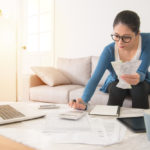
[78,70]
[94,61]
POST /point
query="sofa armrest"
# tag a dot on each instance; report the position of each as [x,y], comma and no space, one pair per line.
[35,81]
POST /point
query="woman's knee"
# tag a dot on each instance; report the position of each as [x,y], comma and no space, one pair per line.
[112,87]
[142,87]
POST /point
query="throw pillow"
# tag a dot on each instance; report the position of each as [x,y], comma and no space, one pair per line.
[51,76]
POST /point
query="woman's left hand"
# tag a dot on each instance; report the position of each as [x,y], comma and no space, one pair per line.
[133,79]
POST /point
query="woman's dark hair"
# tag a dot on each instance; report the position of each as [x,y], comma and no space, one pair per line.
[129,18]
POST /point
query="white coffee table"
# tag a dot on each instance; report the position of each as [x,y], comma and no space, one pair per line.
[31,133]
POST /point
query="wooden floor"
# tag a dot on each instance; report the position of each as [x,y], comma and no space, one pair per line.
[8,144]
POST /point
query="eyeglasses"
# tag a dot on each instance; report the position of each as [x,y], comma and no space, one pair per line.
[125,39]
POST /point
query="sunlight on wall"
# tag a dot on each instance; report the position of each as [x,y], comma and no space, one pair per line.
[7,59]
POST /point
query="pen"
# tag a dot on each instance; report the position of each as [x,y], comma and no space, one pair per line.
[74,100]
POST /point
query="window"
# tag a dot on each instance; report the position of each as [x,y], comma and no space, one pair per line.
[39,25]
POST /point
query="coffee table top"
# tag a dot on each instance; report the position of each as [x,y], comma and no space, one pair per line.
[8,144]
[30,133]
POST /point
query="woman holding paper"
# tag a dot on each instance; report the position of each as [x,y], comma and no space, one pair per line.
[129,45]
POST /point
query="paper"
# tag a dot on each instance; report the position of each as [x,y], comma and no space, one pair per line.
[54,124]
[125,68]
[52,130]
[86,130]
[105,110]
[128,112]
[72,114]
[112,130]
[29,137]
[101,132]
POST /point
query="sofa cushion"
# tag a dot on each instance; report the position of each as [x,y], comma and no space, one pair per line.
[78,70]
[51,76]
[56,94]
[94,61]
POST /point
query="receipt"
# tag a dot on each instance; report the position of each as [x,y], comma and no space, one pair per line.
[122,68]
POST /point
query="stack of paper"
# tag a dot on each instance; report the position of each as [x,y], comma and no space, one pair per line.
[125,68]
[87,130]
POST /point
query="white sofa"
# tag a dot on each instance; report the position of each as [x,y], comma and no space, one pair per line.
[78,71]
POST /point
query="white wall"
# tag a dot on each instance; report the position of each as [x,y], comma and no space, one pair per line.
[8,50]
[83,27]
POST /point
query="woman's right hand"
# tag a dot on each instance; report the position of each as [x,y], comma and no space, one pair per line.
[78,104]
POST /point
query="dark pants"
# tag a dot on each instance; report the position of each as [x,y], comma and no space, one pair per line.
[139,94]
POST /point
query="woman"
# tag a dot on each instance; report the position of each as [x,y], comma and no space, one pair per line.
[129,44]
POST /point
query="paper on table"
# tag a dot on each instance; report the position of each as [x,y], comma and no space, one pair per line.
[134,112]
[125,68]
[97,131]
[54,124]
[86,131]
[114,132]
[28,137]
[72,114]
[105,110]
[102,133]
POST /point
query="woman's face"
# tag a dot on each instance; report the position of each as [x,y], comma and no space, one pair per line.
[126,38]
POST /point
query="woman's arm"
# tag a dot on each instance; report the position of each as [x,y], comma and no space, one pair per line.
[104,60]
[145,56]
[102,65]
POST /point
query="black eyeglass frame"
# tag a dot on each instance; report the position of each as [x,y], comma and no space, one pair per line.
[121,37]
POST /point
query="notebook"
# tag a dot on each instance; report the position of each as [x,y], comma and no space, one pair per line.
[105,110]
[11,113]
